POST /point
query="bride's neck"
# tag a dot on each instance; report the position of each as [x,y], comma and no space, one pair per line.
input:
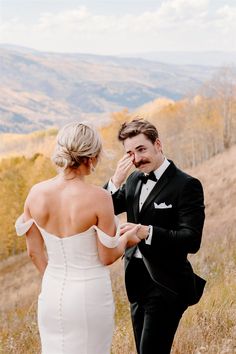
[72,174]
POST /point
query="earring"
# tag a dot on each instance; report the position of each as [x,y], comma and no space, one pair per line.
[92,168]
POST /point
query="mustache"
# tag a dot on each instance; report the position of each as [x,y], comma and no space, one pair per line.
[142,162]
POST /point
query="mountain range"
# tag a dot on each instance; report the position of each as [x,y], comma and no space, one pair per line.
[205,58]
[39,90]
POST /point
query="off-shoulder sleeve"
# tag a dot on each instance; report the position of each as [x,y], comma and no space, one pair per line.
[23,226]
[109,241]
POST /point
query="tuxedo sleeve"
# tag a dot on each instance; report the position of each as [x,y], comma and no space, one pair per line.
[119,199]
[186,237]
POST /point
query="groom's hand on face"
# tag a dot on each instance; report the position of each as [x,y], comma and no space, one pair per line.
[123,168]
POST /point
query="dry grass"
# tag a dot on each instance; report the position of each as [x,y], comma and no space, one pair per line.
[208,327]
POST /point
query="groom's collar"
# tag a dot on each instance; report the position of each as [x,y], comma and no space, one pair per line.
[161,169]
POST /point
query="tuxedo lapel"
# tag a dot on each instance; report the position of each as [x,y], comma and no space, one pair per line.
[161,183]
[135,205]
[136,200]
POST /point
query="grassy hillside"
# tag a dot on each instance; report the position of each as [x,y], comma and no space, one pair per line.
[208,327]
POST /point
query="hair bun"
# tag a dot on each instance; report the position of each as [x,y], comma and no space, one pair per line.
[75,142]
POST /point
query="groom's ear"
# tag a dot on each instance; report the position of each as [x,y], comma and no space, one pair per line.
[158,144]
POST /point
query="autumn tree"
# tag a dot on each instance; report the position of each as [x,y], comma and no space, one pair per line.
[222,90]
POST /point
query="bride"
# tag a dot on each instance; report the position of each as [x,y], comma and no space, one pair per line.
[75,222]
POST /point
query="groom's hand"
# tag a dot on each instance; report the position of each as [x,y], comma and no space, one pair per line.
[123,168]
[142,231]
[131,235]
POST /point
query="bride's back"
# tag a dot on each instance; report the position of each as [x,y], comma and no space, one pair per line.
[65,207]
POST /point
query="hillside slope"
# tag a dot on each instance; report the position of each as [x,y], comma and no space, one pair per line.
[218,176]
[27,144]
[208,327]
[40,90]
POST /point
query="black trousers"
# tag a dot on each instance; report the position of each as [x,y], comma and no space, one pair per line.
[155,313]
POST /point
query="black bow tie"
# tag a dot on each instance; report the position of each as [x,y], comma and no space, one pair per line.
[144,178]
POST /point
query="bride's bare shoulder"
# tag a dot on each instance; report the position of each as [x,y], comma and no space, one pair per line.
[100,193]
[39,189]
[43,185]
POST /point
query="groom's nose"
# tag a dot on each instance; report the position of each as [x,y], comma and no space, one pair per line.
[137,158]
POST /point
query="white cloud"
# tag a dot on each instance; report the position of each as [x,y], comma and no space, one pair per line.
[170,14]
[179,10]
[227,17]
[79,19]
[175,24]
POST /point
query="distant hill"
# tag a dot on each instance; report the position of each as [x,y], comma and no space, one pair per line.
[39,90]
[206,58]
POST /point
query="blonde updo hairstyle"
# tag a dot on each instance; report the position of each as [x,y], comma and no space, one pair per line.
[76,143]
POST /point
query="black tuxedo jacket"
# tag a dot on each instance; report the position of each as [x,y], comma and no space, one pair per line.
[177,229]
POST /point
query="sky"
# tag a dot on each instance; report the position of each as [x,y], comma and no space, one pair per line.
[118,27]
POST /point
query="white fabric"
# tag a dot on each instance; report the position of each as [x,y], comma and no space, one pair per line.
[106,240]
[75,306]
[145,191]
[111,187]
[149,239]
[148,187]
[161,169]
[23,226]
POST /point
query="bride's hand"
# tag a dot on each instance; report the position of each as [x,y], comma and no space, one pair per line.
[131,235]
[141,232]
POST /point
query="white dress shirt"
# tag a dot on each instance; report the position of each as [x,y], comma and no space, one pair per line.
[145,191]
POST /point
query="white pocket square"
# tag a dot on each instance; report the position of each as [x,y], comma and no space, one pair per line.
[162,206]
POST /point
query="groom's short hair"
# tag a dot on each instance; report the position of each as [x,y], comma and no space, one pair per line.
[138,126]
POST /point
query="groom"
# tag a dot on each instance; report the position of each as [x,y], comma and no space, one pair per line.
[169,205]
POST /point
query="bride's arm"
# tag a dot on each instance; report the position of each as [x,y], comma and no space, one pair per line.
[35,244]
[106,223]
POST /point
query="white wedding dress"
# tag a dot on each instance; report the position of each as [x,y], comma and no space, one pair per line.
[75,306]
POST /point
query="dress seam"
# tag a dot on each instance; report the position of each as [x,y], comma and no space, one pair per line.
[61,297]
